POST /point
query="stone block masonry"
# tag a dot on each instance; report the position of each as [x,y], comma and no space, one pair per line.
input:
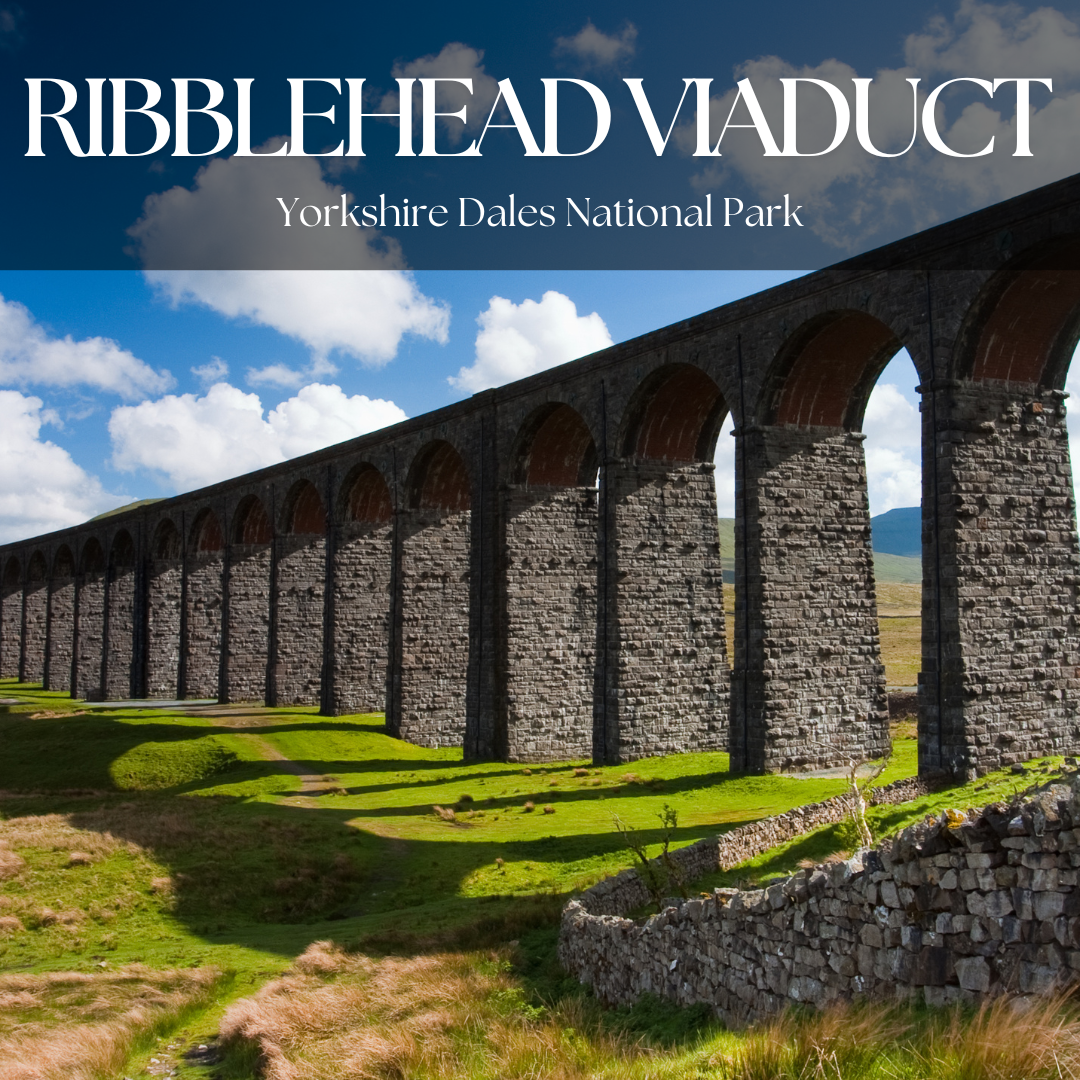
[960,909]
[11,590]
[164,607]
[814,681]
[301,573]
[61,628]
[90,635]
[432,610]
[452,568]
[248,652]
[120,628]
[201,644]
[1010,584]
[665,672]
[35,617]
[550,622]
[362,557]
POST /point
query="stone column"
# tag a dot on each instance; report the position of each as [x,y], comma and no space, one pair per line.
[361,613]
[430,638]
[809,685]
[548,622]
[35,612]
[60,627]
[120,622]
[662,675]
[248,653]
[165,587]
[300,581]
[11,620]
[1001,568]
[203,591]
[90,632]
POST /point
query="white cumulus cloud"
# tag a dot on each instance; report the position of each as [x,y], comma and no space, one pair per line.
[29,356]
[453,61]
[516,340]
[41,487]
[893,450]
[358,313]
[231,220]
[193,441]
[851,196]
[592,48]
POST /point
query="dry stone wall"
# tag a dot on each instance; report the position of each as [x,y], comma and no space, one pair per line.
[665,677]
[549,622]
[956,909]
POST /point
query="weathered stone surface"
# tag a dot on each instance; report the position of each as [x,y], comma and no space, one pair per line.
[550,622]
[665,679]
[814,682]
[301,573]
[201,645]
[60,630]
[248,652]
[844,931]
[164,606]
[432,653]
[363,556]
[986,307]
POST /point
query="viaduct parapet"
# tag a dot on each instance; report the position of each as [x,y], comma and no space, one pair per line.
[534,573]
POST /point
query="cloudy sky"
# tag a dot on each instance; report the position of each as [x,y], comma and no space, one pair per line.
[142,205]
[122,385]
[122,380]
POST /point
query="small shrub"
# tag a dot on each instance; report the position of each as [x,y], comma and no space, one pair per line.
[526,772]
[79,858]
[581,772]
[444,812]
[466,798]
[549,809]
[529,807]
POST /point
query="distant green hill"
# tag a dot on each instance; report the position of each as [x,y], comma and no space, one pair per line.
[899,531]
[127,506]
[888,568]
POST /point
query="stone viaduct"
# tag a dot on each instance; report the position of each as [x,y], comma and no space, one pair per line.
[534,573]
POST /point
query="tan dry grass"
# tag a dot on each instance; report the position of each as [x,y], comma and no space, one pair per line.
[441,1016]
[80,1026]
[1006,1039]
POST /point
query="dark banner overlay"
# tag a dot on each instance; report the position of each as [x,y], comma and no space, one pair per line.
[267,137]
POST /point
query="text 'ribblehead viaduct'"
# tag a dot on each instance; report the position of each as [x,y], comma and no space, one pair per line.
[535,573]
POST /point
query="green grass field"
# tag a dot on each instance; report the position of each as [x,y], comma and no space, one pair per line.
[234,842]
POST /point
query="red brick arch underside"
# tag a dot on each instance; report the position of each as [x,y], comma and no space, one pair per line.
[1033,323]
[824,375]
[555,449]
[675,415]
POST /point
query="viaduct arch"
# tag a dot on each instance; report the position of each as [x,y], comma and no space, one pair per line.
[534,572]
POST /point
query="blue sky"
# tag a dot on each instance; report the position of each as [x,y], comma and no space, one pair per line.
[112,389]
[133,363]
[166,210]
